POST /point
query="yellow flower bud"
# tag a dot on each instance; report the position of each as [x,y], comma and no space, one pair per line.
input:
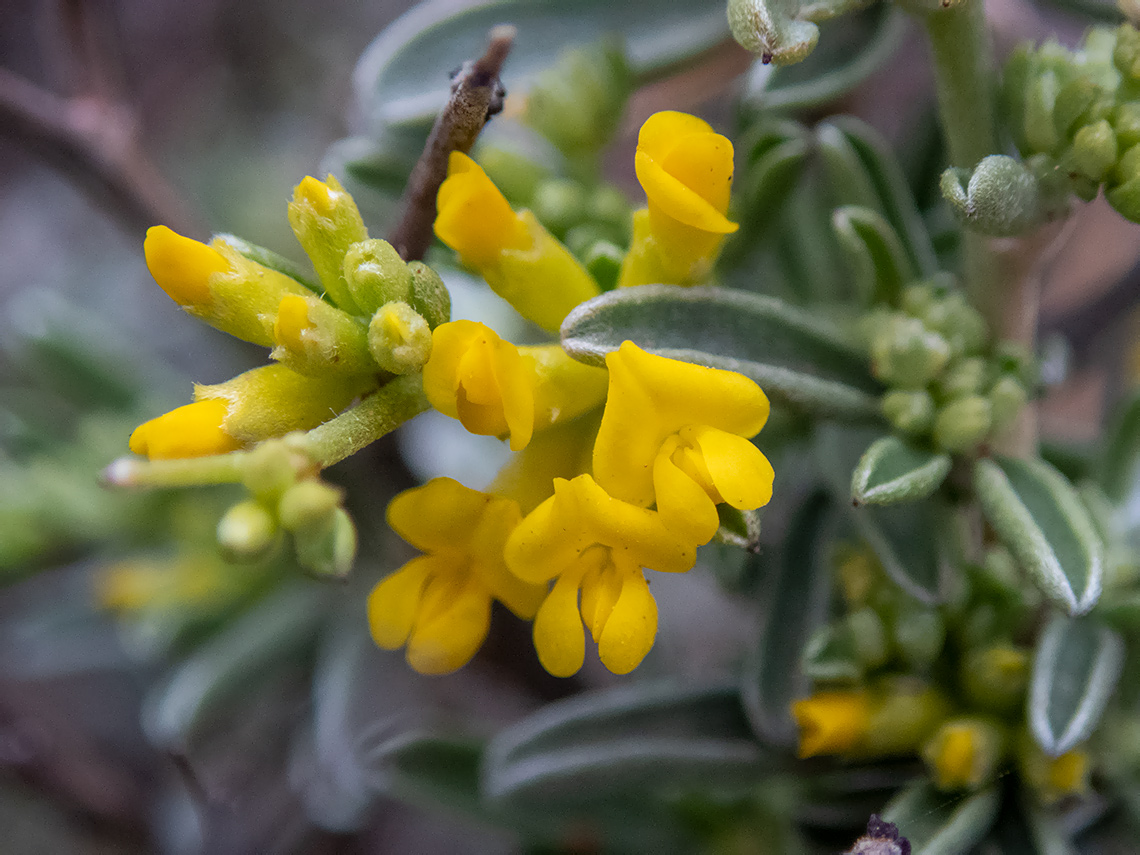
[1053,778]
[399,338]
[327,223]
[182,266]
[832,722]
[194,430]
[315,338]
[965,753]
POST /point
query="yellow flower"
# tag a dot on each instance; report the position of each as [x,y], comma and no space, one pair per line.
[678,434]
[439,604]
[597,544]
[520,260]
[1053,778]
[497,389]
[217,284]
[964,753]
[194,430]
[685,169]
[832,722]
[326,221]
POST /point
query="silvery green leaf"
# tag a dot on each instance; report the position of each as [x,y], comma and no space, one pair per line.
[774,168]
[830,656]
[893,470]
[876,259]
[844,58]
[401,79]
[272,260]
[1120,461]
[798,358]
[1075,671]
[637,738]
[794,606]
[937,825]
[783,31]
[1039,518]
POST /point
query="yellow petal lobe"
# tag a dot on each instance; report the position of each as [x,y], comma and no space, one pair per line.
[181,266]
[193,430]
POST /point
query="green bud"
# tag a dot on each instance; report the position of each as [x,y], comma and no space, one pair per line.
[516,176]
[1126,124]
[247,531]
[959,323]
[994,678]
[917,299]
[907,354]
[308,504]
[1094,150]
[1128,167]
[314,338]
[963,423]
[1079,102]
[1001,199]
[963,377]
[269,469]
[965,752]
[1007,399]
[982,625]
[603,261]
[328,550]
[376,274]
[906,715]
[1126,54]
[1126,199]
[869,638]
[1040,98]
[326,221]
[829,656]
[399,338]
[610,206]
[909,412]
[430,296]
[1015,358]
[559,204]
[919,635]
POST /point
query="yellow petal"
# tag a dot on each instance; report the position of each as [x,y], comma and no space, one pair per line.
[292,321]
[684,506]
[440,515]
[661,131]
[182,266]
[831,722]
[473,217]
[601,587]
[451,625]
[671,197]
[486,549]
[740,472]
[632,626]
[558,635]
[394,602]
[703,163]
[194,430]
[542,546]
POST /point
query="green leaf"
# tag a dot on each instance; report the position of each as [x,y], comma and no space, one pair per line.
[937,825]
[783,31]
[277,627]
[893,470]
[636,739]
[1038,516]
[845,57]
[798,358]
[796,603]
[1120,461]
[767,182]
[401,79]
[863,170]
[431,769]
[1075,671]
[918,565]
[877,260]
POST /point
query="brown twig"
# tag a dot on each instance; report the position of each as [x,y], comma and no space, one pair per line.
[476,95]
[93,136]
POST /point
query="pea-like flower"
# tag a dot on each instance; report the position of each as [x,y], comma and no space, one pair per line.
[677,435]
[193,430]
[439,604]
[832,722]
[596,544]
[521,261]
[685,169]
[497,389]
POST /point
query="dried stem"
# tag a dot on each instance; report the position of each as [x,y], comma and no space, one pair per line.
[476,95]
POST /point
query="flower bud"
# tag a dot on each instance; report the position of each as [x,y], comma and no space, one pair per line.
[315,338]
[308,504]
[832,722]
[1126,53]
[608,206]
[399,338]
[965,753]
[327,550]
[917,299]
[430,297]
[869,637]
[247,531]
[194,430]
[963,326]
[559,204]
[375,275]
[1002,197]
[904,716]
[1094,150]
[908,355]
[994,678]
[1007,399]
[1052,778]
[963,377]
[1126,124]
[919,635]
[963,423]
[909,412]
[326,221]
[269,470]
[603,261]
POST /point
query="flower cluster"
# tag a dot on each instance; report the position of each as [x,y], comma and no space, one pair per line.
[590,501]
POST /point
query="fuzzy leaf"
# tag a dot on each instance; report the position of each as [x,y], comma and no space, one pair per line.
[892,470]
[1120,462]
[874,253]
[1075,671]
[798,358]
[936,825]
[783,31]
[631,739]
[1038,516]
[794,606]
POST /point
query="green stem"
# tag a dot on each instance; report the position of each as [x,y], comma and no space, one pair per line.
[184,472]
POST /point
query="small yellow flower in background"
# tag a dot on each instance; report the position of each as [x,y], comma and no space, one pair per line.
[965,753]
[521,261]
[1053,778]
[193,430]
[497,389]
[189,581]
[685,169]
[439,604]
[677,435]
[832,722]
[594,542]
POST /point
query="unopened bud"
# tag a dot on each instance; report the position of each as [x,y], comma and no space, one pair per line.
[1007,399]
[869,637]
[965,752]
[994,678]
[963,326]
[430,297]
[1126,54]
[1052,778]
[314,338]
[330,549]
[1001,198]
[1094,150]
[962,378]
[603,261]
[1126,124]
[399,338]
[963,423]
[247,531]
[308,504]
[375,274]
[326,221]
[268,469]
[559,204]
[909,412]
[919,635]
[908,355]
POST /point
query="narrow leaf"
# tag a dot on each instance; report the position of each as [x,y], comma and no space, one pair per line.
[1120,463]
[1038,516]
[892,470]
[794,607]
[874,252]
[798,358]
[1075,671]
[937,825]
